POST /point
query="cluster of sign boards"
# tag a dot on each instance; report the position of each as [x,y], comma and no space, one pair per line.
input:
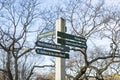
[52,49]
[71,40]
[60,50]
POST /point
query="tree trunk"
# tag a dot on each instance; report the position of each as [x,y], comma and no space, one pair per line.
[83,70]
[16,69]
[8,66]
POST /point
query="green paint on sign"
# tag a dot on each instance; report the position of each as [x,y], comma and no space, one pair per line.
[71,43]
[52,46]
[72,37]
[52,53]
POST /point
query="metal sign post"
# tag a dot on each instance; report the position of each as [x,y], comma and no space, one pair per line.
[60,62]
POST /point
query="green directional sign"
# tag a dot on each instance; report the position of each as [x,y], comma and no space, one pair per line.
[52,53]
[71,43]
[52,46]
[71,37]
[43,35]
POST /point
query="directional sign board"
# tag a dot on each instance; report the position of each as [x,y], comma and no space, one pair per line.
[71,43]
[71,37]
[52,46]
[52,53]
[71,40]
[43,35]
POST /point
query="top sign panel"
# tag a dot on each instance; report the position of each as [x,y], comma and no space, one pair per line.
[72,37]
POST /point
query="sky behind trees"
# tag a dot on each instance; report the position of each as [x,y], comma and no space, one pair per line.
[97,22]
[48,3]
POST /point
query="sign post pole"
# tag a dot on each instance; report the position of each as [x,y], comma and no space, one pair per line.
[60,62]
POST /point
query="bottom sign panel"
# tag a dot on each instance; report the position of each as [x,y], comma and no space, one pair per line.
[52,53]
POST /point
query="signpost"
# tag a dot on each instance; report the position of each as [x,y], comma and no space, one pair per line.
[52,46]
[60,62]
[52,53]
[58,51]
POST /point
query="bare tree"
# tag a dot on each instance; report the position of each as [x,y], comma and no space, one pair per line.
[87,20]
[17,17]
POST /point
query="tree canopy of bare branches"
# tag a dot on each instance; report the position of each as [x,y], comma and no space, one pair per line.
[16,23]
